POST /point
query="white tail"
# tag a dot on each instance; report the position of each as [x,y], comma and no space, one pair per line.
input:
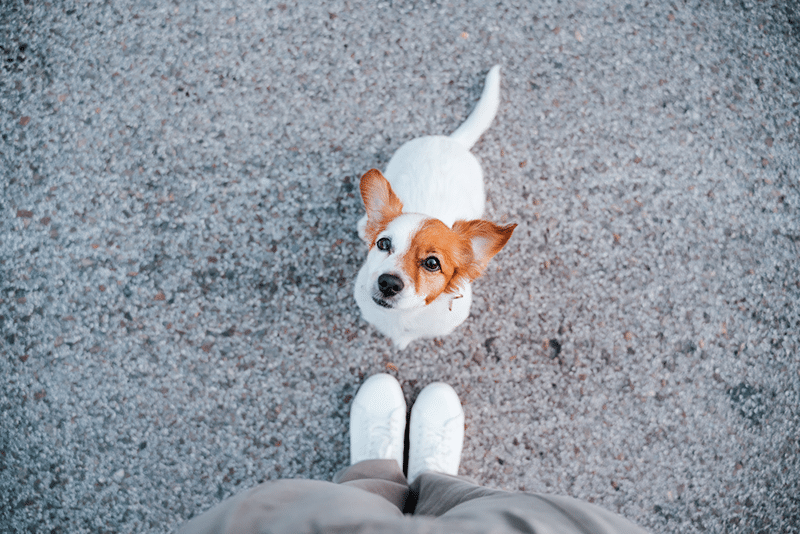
[481,117]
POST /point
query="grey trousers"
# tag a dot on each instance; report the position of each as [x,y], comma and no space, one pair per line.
[374,496]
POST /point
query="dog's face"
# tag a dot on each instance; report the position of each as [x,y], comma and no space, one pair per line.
[413,259]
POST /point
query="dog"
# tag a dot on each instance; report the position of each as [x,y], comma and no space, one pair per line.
[426,240]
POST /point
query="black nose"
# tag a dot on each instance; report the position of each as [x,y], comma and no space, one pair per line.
[389,285]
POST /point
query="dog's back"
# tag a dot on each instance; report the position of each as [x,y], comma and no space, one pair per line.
[437,175]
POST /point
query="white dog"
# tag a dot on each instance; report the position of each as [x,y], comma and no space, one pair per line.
[426,240]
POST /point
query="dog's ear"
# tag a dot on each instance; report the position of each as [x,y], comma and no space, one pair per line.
[487,239]
[381,203]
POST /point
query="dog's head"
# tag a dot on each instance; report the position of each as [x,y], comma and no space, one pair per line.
[413,259]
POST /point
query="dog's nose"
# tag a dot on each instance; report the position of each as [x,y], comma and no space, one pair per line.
[389,285]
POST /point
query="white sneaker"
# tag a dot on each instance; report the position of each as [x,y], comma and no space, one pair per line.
[436,434]
[378,421]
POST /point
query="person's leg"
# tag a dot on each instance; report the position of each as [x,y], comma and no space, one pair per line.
[455,501]
[381,477]
[377,438]
[295,507]
[436,431]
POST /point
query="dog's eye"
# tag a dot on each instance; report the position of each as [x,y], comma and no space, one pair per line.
[431,264]
[384,243]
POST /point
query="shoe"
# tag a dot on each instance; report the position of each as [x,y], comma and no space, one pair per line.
[378,421]
[436,434]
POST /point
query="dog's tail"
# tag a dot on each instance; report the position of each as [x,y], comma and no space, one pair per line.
[481,117]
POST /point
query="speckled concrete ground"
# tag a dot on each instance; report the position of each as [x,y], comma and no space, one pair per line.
[178,247]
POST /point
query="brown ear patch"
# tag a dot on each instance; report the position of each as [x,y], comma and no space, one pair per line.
[381,203]
[486,238]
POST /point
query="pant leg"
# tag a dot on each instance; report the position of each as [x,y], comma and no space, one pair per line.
[367,500]
[381,477]
[368,497]
[455,501]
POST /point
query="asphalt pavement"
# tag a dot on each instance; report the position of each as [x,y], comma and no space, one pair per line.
[178,249]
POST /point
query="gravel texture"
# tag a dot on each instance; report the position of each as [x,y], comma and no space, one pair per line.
[178,248]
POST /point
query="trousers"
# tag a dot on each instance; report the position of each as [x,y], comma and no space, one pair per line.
[373,496]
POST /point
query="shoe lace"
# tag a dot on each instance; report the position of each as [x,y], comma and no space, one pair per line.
[436,445]
[381,432]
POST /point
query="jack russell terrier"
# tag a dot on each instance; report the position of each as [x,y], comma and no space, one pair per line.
[423,228]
